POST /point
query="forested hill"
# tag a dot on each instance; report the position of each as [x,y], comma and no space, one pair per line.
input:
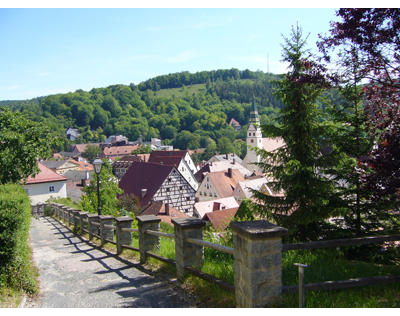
[188,110]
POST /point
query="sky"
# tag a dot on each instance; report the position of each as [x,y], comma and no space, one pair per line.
[49,51]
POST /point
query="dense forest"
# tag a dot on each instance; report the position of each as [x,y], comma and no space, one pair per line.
[183,109]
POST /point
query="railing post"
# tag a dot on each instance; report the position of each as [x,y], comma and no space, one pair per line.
[75,218]
[56,210]
[148,242]
[64,213]
[106,232]
[82,216]
[258,263]
[187,254]
[69,215]
[92,228]
[123,238]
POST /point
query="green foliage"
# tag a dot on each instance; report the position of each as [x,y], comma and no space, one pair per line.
[128,204]
[108,193]
[15,216]
[245,212]
[22,143]
[299,169]
[143,149]
[91,152]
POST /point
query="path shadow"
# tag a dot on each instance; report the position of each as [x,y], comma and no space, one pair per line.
[145,290]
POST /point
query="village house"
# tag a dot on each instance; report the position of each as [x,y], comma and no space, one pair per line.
[243,189]
[180,160]
[202,208]
[151,182]
[60,166]
[121,166]
[221,219]
[165,212]
[221,165]
[219,184]
[45,185]
[113,152]
[235,124]
[72,133]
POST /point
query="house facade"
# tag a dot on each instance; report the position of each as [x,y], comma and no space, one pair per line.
[218,185]
[45,185]
[151,182]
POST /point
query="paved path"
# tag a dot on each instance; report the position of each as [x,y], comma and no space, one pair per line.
[75,274]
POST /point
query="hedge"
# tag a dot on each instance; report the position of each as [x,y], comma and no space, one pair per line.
[15,255]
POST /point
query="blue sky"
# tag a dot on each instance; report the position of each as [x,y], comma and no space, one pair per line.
[48,51]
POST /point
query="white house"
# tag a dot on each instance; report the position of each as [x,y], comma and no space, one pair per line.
[44,185]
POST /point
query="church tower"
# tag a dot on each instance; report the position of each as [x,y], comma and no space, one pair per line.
[253,139]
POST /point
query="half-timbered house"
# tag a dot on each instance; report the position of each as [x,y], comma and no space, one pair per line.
[151,182]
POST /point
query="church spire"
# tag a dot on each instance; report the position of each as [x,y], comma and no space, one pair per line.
[254,118]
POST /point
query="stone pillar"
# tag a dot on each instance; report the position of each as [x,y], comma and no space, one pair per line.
[93,219]
[82,217]
[187,254]
[258,263]
[64,213]
[75,218]
[148,242]
[123,238]
[106,232]
[69,215]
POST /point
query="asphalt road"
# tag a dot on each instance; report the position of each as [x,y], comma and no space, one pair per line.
[75,274]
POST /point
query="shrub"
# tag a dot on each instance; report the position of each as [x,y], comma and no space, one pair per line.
[15,216]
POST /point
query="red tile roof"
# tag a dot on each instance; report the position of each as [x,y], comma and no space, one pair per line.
[45,175]
[144,175]
[221,219]
[158,209]
[119,150]
[167,160]
[223,184]
[168,153]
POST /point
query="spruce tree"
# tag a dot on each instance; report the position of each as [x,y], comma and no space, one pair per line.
[306,195]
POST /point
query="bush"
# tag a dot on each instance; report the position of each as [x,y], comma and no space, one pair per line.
[15,217]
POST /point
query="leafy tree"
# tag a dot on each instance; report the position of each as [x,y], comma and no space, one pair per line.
[373,33]
[142,149]
[109,190]
[22,143]
[225,145]
[91,152]
[128,203]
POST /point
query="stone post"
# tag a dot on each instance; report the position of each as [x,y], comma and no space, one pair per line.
[148,242]
[187,254]
[64,213]
[258,263]
[82,217]
[69,215]
[93,219]
[123,238]
[56,210]
[75,218]
[106,232]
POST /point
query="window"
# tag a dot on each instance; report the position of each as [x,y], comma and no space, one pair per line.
[169,179]
[251,140]
[254,134]
[249,134]
[51,188]
[181,188]
[188,198]
[168,189]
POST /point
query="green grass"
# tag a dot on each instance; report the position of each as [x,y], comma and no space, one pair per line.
[66,201]
[181,92]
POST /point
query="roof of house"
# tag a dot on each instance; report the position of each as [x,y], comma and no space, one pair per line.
[45,175]
[168,153]
[272,143]
[83,165]
[54,164]
[166,160]
[228,157]
[224,185]
[144,175]
[79,147]
[221,219]
[223,165]
[234,122]
[254,184]
[119,150]
[202,208]
[157,208]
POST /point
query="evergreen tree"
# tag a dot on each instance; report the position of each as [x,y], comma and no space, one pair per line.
[307,196]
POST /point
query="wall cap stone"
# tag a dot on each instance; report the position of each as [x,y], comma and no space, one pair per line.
[188,222]
[123,219]
[148,218]
[258,229]
[103,217]
[83,213]
[92,215]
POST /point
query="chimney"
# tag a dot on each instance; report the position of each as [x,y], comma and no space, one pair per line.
[144,191]
[83,182]
[230,172]
[196,199]
[226,156]
[216,206]
[166,208]
[233,161]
